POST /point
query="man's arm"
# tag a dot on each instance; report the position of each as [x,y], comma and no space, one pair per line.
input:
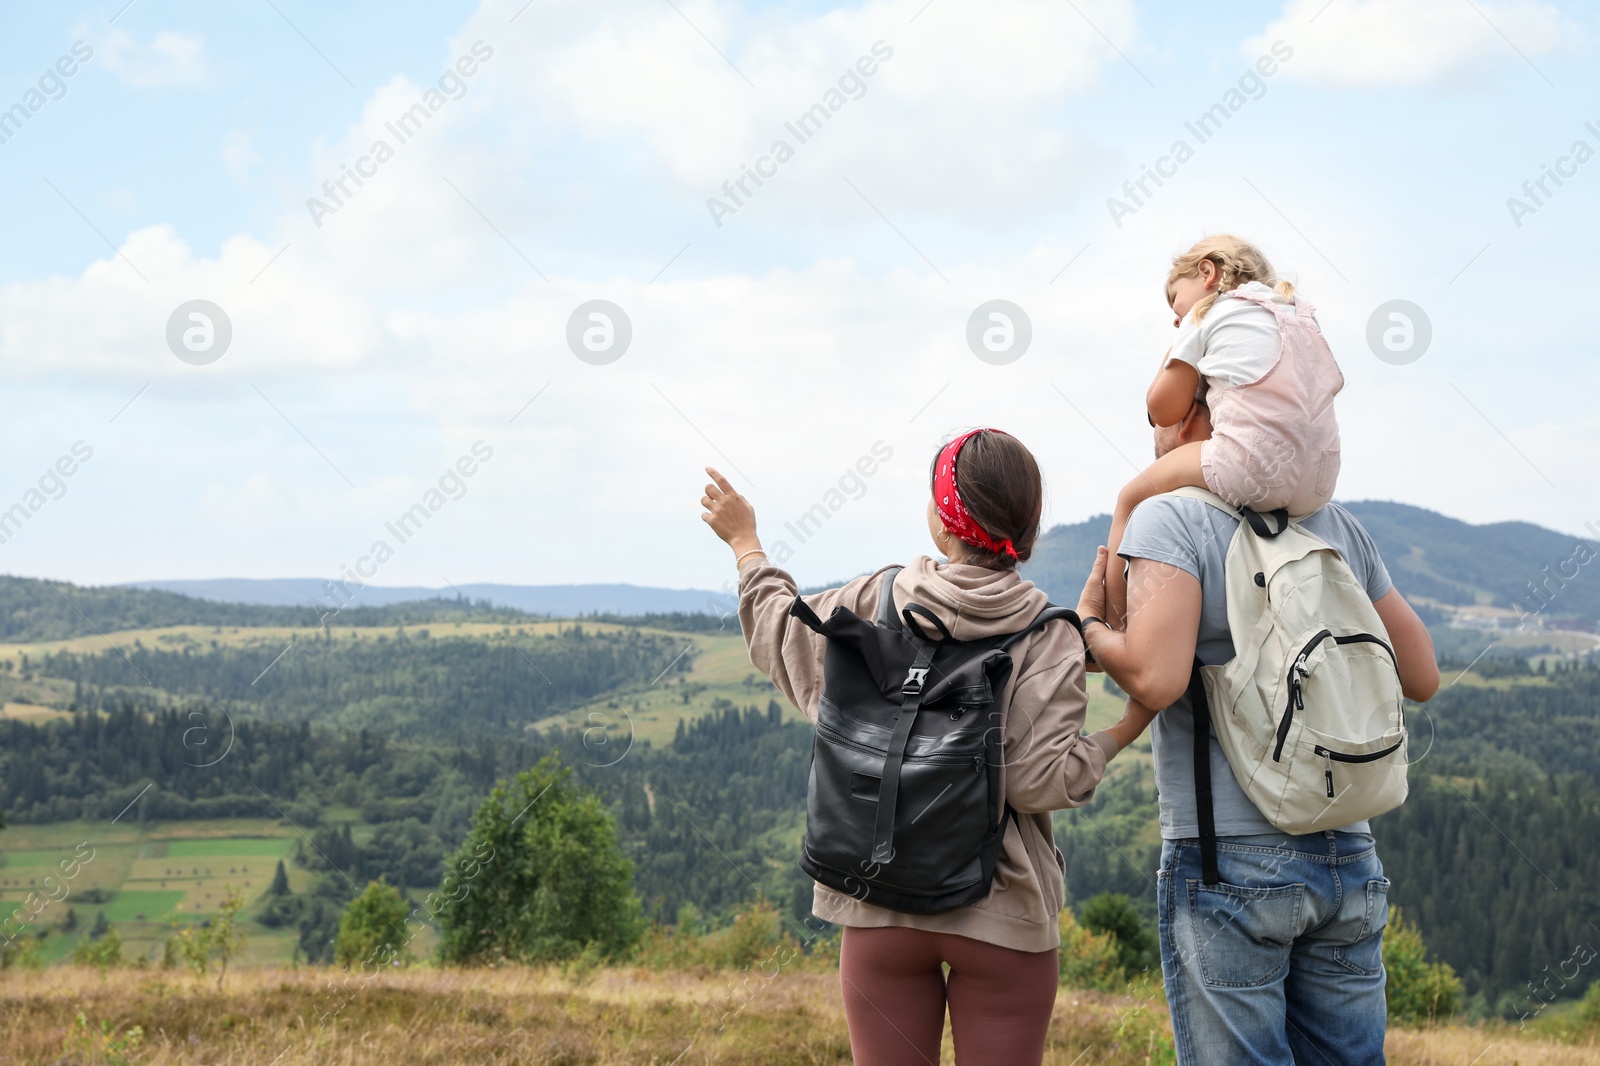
[1152,655]
[1413,646]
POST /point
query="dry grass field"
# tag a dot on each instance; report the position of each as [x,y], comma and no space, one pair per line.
[547,1017]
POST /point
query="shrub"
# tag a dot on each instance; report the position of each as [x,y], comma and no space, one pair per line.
[25,952]
[104,953]
[1088,959]
[1589,1006]
[83,1044]
[373,928]
[1113,913]
[1418,992]
[756,940]
[219,939]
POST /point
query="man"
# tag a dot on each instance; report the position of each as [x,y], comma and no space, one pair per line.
[1282,961]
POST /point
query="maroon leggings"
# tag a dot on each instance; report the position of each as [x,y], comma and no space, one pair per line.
[895,993]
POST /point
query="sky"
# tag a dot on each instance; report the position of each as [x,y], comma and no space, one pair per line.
[544,301]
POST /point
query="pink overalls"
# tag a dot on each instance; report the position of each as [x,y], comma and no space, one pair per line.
[1274,442]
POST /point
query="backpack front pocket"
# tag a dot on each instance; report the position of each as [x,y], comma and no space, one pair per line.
[934,837]
[1338,673]
[1335,775]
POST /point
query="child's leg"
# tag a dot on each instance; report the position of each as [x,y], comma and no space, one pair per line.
[1177,468]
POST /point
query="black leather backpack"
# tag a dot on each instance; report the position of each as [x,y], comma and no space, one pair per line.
[903,806]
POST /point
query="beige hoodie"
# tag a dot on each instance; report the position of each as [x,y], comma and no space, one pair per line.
[1049,766]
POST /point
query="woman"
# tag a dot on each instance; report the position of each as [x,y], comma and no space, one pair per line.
[983,515]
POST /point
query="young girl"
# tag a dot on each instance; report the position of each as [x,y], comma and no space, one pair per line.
[1001,951]
[1269,380]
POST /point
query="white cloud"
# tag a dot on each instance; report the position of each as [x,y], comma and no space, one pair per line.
[110,321]
[1373,43]
[958,121]
[169,59]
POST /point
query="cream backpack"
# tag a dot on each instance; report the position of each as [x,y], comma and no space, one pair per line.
[1308,711]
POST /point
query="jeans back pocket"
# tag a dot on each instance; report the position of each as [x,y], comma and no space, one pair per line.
[1244,936]
[1364,954]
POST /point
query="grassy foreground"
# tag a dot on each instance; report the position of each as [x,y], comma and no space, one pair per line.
[547,1017]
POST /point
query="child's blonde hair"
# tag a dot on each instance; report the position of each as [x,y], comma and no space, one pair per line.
[1237,262]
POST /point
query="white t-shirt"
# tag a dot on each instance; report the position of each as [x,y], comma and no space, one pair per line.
[1235,344]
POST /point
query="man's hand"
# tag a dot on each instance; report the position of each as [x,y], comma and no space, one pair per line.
[729,514]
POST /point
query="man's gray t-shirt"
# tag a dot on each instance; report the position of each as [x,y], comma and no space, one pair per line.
[1194,536]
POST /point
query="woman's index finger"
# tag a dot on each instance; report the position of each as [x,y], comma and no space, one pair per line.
[722,483]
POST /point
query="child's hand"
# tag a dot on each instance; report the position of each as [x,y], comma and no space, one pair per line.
[1092,603]
[1134,721]
[729,514]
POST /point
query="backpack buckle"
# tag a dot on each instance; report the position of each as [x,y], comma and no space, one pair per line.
[914,679]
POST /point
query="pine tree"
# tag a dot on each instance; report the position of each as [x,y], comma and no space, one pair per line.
[100,926]
[280,881]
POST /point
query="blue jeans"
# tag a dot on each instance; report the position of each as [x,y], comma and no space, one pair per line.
[1282,961]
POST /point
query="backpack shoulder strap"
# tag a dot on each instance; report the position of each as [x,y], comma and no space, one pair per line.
[886,612]
[1205,496]
[1205,811]
[1258,523]
[1050,614]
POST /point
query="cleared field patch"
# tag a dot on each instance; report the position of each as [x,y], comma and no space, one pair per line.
[225,846]
[719,669]
[200,882]
[31,712]
[139,906]
[104,868]
[23,857]
[132,832]
[166,872]
[196,867]
[203,638]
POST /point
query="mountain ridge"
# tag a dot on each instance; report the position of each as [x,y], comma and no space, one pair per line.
[1515,566]
[555,600]
[1501,566]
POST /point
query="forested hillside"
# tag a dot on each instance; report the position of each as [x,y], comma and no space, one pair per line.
[1493,860]
[35,610]
[709,820]
[410,684]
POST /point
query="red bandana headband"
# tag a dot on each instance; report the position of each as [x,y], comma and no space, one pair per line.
[947,500]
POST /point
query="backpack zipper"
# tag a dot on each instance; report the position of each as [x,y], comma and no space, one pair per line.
[1298,671]
[949,758]
[1329,755]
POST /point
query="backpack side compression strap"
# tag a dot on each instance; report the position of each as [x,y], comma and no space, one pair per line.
[1200,708]
[889,783]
